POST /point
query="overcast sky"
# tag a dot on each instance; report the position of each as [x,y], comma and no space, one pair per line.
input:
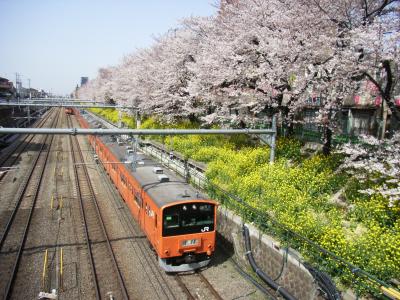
[55,42]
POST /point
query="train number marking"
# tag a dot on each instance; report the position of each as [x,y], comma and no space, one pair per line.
[205,229]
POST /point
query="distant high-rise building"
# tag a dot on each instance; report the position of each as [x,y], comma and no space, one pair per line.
[84,80]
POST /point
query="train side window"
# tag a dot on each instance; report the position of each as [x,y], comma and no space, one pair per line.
[138,199]
[123,179]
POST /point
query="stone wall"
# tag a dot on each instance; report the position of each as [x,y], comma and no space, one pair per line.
[269,256]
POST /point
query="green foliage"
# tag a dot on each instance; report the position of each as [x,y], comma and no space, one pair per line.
[111,114]
[288,148]
[296,195]
[151,123]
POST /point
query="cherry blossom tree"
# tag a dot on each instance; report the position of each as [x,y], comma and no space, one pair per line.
[258,57]
[373,157]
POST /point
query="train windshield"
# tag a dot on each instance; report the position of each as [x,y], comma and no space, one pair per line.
[188,218]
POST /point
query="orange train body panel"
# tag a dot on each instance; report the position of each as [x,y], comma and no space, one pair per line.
[176,252]
[69,111]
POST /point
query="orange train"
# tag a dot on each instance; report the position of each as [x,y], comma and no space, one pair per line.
[179,221]
[69,111]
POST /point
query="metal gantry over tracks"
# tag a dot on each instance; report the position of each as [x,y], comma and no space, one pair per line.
[140,132]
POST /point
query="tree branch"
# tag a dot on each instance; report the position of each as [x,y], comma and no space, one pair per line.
[386,93]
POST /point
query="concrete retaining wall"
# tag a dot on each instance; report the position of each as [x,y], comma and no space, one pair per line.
[269,256]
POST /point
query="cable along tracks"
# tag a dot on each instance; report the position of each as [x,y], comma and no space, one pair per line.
[107,276]
[15,232]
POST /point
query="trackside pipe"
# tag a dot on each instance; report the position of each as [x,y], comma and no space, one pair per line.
[268,280]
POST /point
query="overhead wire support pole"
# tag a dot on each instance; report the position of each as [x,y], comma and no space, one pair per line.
[270,139]
[273,141]
[138,132]
[29,114]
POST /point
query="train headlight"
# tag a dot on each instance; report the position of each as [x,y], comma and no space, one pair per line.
[192,242]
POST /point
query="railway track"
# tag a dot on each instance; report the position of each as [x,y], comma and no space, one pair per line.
[15,233]
[156,278]
[14,152]
[108,280]
[196,286]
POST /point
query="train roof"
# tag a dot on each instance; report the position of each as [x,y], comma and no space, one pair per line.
[163,193]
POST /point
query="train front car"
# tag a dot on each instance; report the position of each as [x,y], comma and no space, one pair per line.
[188,235]
[178,220]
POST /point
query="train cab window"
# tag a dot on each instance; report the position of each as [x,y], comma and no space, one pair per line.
[171,221]
[188,218]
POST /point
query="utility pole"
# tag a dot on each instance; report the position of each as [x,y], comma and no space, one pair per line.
[16,81]
[135,113]
[119,119]
[29,84]
[18,86]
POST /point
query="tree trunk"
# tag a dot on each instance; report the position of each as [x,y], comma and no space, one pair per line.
[326,148]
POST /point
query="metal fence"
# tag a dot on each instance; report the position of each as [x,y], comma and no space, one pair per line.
[315,134]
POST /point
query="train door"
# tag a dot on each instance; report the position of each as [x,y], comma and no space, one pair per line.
[149,222]
[136,204]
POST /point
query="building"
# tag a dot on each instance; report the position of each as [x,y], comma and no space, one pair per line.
[7,89]
[84,80]
[364,112]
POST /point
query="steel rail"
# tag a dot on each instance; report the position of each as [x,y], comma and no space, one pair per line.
[25,185]
[91,260]
[24,143]
[184,288]
[78,152]
[11,281]
[203,279]
[84,131]
[209,285]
